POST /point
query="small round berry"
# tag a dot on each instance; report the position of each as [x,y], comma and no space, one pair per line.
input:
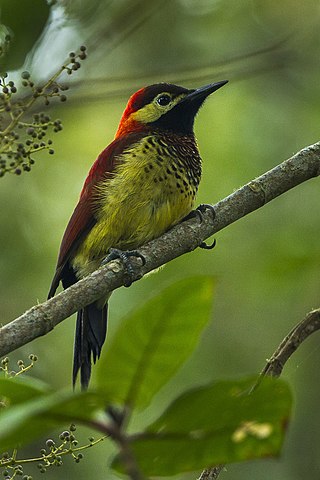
[50,443]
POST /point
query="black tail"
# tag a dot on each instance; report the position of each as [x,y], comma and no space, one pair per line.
[90,335]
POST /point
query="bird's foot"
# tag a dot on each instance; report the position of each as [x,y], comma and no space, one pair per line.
[198,213]
[124,257]
[202,208]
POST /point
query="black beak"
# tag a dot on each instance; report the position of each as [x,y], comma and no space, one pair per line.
[200,94]
[181,117]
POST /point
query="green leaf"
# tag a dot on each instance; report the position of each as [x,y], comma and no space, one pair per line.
[20,389]
[30,411]
[213,425]
[153,342]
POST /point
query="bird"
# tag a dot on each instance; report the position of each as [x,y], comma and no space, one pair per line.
[143,183]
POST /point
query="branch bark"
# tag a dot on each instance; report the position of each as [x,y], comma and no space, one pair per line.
[183,238]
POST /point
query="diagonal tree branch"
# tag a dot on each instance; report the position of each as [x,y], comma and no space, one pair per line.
[181,239]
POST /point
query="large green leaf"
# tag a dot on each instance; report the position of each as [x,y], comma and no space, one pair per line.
[153,342]
[213,425]
[30,411]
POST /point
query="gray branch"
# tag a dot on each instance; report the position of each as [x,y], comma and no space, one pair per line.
[183,238]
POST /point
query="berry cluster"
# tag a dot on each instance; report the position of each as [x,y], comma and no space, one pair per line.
[53,453]
[5,368]
[20,140]
[50,456]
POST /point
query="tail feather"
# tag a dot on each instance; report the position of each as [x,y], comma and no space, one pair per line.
[91,330]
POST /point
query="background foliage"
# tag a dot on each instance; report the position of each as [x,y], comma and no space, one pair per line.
[266,266]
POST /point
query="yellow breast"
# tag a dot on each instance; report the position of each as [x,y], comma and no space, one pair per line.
[150,191]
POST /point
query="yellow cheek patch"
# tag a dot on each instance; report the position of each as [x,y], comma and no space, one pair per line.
[152,112]
[147,114]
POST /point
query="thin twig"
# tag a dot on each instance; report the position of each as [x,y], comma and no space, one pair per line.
[181,239]
[309,325]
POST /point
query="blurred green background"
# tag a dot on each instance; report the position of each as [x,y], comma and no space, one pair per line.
[266,265]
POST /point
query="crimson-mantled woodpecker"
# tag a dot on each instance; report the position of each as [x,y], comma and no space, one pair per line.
[142,184]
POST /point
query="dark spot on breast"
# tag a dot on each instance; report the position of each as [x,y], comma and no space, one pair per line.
[146,169]
[178,185]
[150,166]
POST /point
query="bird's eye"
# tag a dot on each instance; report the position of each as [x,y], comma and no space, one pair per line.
[164,100]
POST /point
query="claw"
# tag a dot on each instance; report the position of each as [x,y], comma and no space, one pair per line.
[199,211]
[124,256]
[206,246]
[202,209]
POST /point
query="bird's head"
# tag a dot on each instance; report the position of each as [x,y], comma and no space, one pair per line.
[164,106]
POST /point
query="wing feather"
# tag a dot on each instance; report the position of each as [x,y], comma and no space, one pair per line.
[83,218]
